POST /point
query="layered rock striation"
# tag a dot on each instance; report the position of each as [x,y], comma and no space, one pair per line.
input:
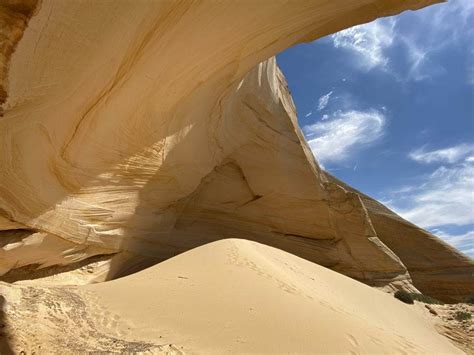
[134,132]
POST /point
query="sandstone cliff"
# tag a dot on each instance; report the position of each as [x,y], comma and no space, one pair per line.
[132,133]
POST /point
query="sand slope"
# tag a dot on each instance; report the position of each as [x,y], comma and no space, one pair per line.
[228,296]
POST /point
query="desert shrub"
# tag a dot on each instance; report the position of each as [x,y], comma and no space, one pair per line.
[461,315]
[404,296]
[425,299]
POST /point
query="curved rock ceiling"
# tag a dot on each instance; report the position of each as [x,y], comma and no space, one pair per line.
[135,133]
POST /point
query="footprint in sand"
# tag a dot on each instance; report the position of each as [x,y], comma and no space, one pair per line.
[353,340]
[375,340]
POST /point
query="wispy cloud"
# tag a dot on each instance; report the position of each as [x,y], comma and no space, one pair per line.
[417,59]
[447,155]
[443,197]
[421,34]
[336,138]
[368,42]
[323,101]
[463,242]
[448,21]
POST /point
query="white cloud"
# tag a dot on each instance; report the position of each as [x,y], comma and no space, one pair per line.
[308,114]
[346,132]
[463,242]
[325,117]
[469,251]
[417,59]
[368,41]
[323,101]
[428,31]
[436,27]
[371,41]
[444,197]
[450,21]
[447,155]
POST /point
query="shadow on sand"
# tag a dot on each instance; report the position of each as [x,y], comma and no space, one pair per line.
[5,348]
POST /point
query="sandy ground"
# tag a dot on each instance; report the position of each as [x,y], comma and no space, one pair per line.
[460,332]
[230,296]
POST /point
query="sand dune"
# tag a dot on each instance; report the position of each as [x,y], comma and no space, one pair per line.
[229,296]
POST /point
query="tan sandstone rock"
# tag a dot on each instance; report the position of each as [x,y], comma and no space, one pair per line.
[140,130]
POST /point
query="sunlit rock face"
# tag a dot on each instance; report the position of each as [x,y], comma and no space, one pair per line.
[139,131]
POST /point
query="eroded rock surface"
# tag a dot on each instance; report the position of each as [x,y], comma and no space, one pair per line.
[136,132]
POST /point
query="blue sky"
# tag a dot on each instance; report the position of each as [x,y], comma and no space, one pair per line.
[388,107]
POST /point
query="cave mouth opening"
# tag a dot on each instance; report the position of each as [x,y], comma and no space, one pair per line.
[151,141]
[387,108]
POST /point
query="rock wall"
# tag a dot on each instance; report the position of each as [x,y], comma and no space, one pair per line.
[140,130]
[435,267]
